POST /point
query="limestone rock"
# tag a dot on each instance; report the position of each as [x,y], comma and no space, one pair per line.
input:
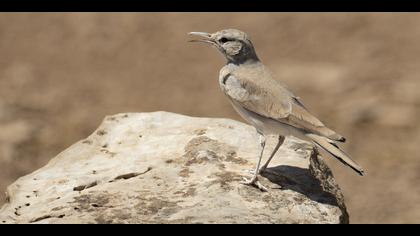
[167,168]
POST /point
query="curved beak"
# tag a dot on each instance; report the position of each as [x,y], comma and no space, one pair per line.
[205,37]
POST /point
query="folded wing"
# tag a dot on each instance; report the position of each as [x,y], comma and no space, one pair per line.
[270,99]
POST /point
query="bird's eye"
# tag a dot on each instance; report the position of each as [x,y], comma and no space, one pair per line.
[223,40]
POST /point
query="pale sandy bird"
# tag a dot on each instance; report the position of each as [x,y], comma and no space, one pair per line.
[266,103]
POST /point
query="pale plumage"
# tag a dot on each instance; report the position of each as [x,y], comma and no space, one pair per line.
[266,103]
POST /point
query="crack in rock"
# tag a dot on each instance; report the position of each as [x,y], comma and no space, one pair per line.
[85,186]
[46,217]
[131,175]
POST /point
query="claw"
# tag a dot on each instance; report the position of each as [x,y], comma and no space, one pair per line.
[255,183]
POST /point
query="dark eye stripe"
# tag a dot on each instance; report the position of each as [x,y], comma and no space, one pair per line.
[223,40]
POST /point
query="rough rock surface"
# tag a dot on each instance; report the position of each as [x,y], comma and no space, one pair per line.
[167,168]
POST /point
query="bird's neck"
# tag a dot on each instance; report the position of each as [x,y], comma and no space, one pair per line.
[243,60]
[246,56]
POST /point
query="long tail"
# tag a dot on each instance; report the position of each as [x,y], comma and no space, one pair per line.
[331,148]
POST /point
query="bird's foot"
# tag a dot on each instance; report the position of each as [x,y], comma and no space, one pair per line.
[255,183]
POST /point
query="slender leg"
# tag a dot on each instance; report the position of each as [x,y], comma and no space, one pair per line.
[254,180]
[262,142]
[279,143]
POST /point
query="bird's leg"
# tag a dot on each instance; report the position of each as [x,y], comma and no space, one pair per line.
[279,143]
[254,180]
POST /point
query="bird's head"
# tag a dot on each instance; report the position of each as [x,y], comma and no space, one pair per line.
[234,44]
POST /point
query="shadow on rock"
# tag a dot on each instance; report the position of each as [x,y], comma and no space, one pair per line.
[300,180]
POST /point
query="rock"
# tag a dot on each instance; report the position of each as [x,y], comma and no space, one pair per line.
[167,168]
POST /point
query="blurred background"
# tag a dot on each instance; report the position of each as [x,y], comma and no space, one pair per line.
[60,74]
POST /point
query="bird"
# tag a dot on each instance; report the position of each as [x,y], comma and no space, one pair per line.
[266,103]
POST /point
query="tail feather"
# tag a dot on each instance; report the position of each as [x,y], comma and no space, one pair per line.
[332,148]
[324,131]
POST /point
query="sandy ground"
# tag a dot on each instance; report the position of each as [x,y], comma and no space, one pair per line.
[60,74]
